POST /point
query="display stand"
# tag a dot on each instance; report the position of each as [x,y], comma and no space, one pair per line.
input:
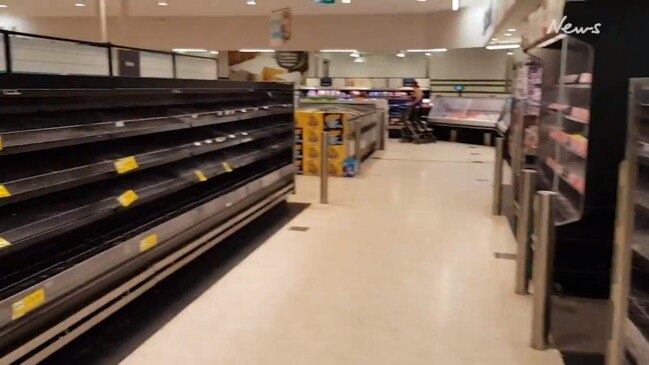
[582,142]
[108,185]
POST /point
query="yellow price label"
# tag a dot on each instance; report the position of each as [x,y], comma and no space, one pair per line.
[126,164]
[4,192]
[148,242]
[1,145]
[4,243]
[227,167]
[128,198]
[200,175]
[27,304]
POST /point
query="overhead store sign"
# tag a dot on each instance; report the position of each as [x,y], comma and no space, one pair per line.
[324,1]
[280,26]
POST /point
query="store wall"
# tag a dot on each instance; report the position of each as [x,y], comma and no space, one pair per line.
[377,65]
[376,32]
[471,63]
[457,64]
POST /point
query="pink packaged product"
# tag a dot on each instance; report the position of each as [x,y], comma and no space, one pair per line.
[580,113]
[586,78]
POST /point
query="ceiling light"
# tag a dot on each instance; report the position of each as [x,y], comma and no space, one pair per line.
[359,60]
[3,5]
[355,54]
[426,50]
[251,2]
[508,34]
[254,50]
[80,3]
[494,39]
[347,1]
[163,2]
[189,50]
[428,54]
[401,55]
[510,53]
[511,29]
[503,46]
[455,5]
[214,52]
[339,50]
[421,1]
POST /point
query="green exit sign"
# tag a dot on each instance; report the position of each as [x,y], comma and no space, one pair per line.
[324,1]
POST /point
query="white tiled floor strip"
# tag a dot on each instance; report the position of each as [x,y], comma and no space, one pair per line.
[399,269]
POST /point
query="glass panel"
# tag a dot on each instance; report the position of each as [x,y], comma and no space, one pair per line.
[638,324]
[563,129]
[37,55]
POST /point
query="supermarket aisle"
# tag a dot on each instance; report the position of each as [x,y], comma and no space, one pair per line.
[399,269]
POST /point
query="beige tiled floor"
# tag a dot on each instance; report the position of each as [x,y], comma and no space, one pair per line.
[399,269]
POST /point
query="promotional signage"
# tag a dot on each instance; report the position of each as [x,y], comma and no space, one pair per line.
[324,1]
[280,26]
[326,81]
[129,63]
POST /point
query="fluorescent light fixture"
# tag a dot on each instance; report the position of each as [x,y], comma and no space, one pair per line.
[189,50]
[494,39]
[254,50]
[355,54]
[3,6]
[455,5]
[251,2]
[510,53]
[163,2]
[426,50]
[507,34]
[503,46]
[401,55]
[347,1]
[214,52]
[421,1]
[80,3]
[339,50]
[511,29]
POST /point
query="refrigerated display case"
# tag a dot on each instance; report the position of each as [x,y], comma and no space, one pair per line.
[450,114]
[582,139]
[108,185]
[630,290]
[563,129]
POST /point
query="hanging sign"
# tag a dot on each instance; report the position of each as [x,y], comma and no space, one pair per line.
[280,26]
[324,1]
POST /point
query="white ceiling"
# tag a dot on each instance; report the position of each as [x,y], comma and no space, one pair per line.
[59,8]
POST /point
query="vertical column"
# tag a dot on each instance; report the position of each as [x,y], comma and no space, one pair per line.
[324,174]
[498,177]
[102,21]
[543,245]
[523,225]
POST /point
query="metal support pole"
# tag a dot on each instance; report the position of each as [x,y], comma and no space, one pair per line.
[102,21]
[324,174]
[357,146]
[498,177]
[543,246]
[523,226]
[487,139]
[622,263]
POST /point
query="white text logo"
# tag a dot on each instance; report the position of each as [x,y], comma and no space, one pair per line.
[568,28]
